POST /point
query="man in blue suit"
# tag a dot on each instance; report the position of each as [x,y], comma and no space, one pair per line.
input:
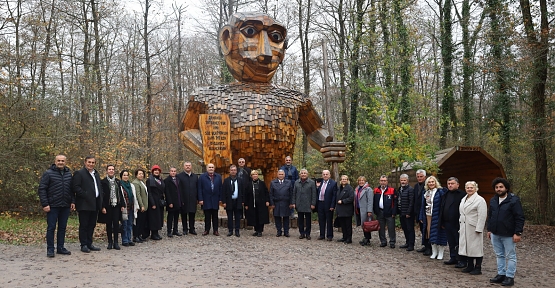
[326,205]
[209,195]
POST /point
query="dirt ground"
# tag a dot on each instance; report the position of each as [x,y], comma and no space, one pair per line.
[209,261]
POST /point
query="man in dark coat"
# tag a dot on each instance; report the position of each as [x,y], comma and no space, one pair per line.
[327,193]
[232,199]
[505,226]
[281,195]
[418,194]
[155,187]
[385,208]
[56,200]
[304,200]
[244,175]
[88,200]
[188,182]
[257,201]
[291,174]
[209,195]
[405,198]
[449,220]
[175,203]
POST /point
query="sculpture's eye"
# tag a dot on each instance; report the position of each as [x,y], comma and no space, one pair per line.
[249,31]
[276,36]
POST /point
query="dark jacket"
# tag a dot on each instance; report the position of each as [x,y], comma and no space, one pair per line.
[255,200]
[418,194]
[85,192]
[304,195]
[227,193]
[104,218]
[244,175]
[347,197]
[389,201]
[405,200]
[155,196]
[55,188]
[188,187]
[210,196]
[507,218]
[291,173]
[449,212]
[171,192]
[438,235]
[329,195]
[281,196]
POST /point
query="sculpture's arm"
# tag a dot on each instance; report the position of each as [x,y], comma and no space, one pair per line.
[190,130]
[318,137]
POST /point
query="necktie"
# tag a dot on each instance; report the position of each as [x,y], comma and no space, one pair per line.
[280,181]
[323,190]
[176,185]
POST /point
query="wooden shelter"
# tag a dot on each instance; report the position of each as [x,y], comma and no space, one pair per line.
[467,163]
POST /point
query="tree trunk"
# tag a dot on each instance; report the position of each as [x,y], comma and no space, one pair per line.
[538,47]
[448,116]
[148,90]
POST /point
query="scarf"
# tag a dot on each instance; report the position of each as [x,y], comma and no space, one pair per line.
[113,197]
[127,187]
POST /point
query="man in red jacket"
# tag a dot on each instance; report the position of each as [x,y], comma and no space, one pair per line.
[385,208]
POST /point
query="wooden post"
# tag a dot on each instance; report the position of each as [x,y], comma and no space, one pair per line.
[334,166]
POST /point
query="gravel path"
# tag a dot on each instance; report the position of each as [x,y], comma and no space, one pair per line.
[208,261]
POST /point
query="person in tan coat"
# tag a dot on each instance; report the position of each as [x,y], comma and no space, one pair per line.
[472,220]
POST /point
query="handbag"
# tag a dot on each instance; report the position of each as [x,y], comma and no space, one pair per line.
[371,225]
[124,215]
[162,202]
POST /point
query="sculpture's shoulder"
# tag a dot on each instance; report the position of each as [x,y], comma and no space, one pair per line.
[247,92]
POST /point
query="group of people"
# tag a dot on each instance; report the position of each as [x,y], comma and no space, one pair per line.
[446,216]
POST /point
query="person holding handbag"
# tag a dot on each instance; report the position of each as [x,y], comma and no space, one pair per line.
[363,204]
[345,209]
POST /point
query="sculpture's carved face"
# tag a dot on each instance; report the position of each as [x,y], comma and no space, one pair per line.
[253,45]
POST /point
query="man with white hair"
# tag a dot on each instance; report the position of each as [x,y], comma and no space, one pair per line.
[418,192]
[405,204]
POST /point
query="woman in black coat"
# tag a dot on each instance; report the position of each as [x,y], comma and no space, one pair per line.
[112,204]
[257,200]
[155,211]
[345,209]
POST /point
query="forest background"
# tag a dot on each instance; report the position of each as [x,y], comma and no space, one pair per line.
[404,78]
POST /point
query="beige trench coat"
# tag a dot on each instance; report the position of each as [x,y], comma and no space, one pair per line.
[473,210]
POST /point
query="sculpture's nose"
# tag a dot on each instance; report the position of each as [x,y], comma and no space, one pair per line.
[264,49]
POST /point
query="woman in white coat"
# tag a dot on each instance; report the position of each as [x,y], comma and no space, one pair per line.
[473,214]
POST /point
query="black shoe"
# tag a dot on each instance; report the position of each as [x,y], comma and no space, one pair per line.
[468,269]
[364,242]
[177,234]
[278,234]
[237,234]
[230,233]
[385,244]
[169,235]
[94,248]
[451,261]
[141,239]
[138,240]
[349,241]
[63,251]
[342,240]
[110,246]
[155,237]
[125,244]
[301,237]
[193,232]
[131,244]
[329,239]
[286,235]
[321,238]
[476,271]
[50,254]
[116,246]
[255,234]
[428,252]
[184,232]
[421,250]
[460,265]
[85,249]
[497,279]
[411,248]
[259,234]
[308,237]
[404,246]
[391,246]
[508,281]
